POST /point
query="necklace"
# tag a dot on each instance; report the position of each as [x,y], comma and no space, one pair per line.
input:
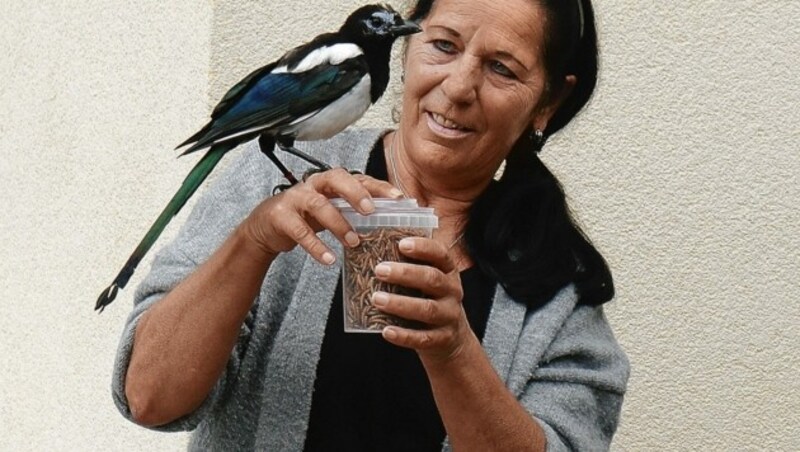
[458,239]
[394,166]
[403,189]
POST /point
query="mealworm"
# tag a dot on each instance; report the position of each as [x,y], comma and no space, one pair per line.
[376,246]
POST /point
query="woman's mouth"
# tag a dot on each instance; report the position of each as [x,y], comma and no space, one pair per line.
[444,126]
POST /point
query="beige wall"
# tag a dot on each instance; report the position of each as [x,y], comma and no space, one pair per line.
[93,97]
[684,172]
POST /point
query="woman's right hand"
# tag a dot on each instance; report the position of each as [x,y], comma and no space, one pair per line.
[294,216]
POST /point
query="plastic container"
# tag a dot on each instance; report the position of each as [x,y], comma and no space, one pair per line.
[379,234]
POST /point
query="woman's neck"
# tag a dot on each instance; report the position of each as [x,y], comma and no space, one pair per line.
[434,187]
[450,203]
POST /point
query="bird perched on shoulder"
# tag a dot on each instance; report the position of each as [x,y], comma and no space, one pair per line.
[312,92]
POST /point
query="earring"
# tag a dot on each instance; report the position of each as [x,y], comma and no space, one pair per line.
[537,138]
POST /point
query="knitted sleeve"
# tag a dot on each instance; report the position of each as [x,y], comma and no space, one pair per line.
[228,200]
[576,391]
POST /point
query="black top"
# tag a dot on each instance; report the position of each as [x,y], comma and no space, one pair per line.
[371,395]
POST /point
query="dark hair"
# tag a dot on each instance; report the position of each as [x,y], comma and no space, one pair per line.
[520,229]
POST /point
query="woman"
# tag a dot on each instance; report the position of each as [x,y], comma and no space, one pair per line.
[516,353]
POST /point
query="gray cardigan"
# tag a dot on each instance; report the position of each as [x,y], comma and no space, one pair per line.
[561,361]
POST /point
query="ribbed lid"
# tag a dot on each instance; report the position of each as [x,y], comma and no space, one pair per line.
[380,203]
[390,213]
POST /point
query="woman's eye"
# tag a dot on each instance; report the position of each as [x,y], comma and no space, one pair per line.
[502,69]
[444,46]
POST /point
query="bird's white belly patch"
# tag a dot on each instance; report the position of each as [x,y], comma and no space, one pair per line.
[334,118]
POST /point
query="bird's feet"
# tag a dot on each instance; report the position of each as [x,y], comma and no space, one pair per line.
[312,171]
[309,172]
[281,188]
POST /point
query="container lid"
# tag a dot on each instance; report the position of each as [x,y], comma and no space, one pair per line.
[390,213]
[380,203]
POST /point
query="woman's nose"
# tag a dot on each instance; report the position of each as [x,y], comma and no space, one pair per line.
[462,82]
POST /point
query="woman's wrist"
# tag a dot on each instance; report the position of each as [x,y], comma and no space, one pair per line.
[468,391]
[467,351]
[249,241]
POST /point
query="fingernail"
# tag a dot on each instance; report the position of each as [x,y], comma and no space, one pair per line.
[383,270]
[328,258]
[389,333]
[406,244]
[351,238]
[366,205]
[380,299]
[395,193]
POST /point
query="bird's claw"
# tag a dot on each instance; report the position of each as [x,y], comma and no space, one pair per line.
[312,171]
[280,188]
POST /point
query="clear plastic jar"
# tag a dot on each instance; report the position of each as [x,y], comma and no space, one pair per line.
[379,234]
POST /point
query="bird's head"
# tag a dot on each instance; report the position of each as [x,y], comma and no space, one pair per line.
[377,23]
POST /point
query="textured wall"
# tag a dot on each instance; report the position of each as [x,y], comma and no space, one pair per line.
[683,171]
[94,95]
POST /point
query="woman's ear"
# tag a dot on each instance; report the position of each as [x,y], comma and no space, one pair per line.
[554,100]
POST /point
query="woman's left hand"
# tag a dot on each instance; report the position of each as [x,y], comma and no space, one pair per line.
[446,331]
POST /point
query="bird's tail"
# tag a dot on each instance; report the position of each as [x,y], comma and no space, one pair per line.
[189,186]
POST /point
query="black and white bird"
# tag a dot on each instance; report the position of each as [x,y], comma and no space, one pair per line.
[312,92]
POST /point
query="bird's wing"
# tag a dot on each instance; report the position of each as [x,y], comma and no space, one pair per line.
[278,98]
[235,92]
[290,58]
[228,100]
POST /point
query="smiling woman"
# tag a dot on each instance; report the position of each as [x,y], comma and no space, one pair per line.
[475,83]
[488,86]
[509,349]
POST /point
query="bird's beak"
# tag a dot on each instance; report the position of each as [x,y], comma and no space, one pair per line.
[406,28]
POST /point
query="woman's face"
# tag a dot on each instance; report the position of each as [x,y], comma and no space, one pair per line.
[474,79]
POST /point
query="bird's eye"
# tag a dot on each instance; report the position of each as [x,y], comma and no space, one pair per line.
[375,22]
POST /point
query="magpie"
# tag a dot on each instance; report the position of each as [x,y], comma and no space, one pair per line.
[312,92]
